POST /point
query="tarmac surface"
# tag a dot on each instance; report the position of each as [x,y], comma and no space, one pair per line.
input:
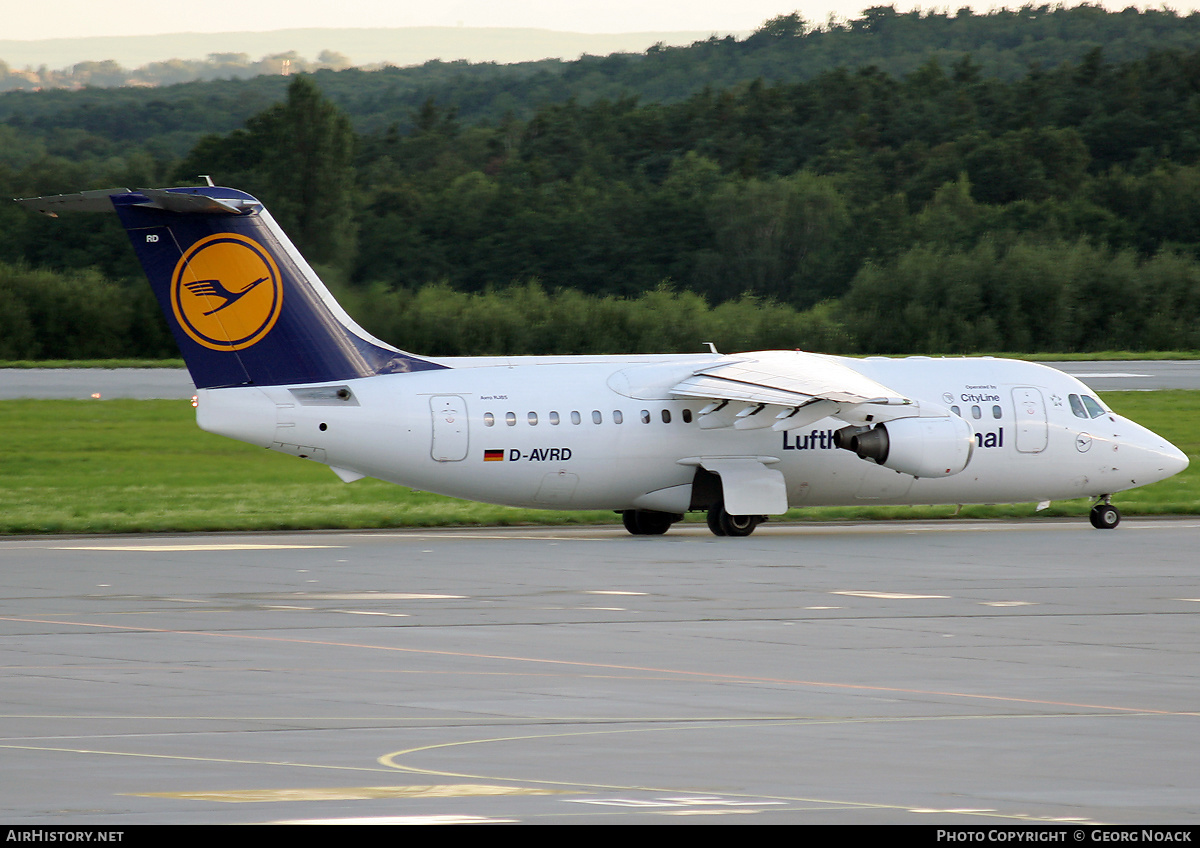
[95,383]
[962,673]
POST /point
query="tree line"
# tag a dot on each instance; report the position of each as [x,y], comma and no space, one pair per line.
[943,210]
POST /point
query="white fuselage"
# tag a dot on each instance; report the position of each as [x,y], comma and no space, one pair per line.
[604,433]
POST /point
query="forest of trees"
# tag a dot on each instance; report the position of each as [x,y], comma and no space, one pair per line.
[953,207]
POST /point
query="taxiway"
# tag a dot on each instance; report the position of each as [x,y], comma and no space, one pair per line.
[926,672]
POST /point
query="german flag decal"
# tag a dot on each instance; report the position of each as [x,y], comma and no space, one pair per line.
[493,456]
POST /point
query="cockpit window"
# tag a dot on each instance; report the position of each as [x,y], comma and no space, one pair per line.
[1086,406]
[1095,410]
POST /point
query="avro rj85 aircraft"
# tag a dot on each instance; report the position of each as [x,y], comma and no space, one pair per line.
[279,364]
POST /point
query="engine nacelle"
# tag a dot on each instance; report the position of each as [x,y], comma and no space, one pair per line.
[922,447]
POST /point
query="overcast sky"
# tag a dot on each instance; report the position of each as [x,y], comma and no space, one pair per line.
[78,18]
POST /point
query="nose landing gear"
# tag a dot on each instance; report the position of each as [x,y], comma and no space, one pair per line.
[1105,516]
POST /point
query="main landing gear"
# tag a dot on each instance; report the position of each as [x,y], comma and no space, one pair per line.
[721,523]
[648,522]
[1105,516]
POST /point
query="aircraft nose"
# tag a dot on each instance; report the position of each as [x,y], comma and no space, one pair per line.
[1174,460]
[1148,455]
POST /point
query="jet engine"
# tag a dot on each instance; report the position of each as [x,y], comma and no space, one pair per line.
[922,447]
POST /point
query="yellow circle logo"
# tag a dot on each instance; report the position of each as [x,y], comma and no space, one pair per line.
[226,292]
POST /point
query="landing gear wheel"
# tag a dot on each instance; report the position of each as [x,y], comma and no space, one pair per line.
[647,522]
[714,520]
[1105,516]
[740,525]
[722,523]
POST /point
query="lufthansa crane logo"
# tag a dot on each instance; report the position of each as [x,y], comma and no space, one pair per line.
[226,292]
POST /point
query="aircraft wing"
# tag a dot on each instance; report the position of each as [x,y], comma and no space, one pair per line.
[781,389]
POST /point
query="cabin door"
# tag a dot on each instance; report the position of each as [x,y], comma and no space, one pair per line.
[450,439]
[1030,411]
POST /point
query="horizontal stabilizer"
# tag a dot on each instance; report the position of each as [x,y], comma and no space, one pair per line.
[185,201]
[80,201]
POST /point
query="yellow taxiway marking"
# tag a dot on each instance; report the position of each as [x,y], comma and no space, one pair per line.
[352,793]
[710,805]
[176,548]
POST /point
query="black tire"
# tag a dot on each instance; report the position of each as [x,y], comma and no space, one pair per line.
[721,523]
[647,522]
[1105,516]
[740,525]
[714,520]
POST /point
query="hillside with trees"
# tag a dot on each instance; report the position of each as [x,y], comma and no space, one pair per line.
[952,207]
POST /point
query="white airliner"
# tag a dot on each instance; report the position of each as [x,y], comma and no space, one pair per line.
[279,364]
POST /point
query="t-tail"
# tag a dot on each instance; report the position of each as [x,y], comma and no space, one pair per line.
[243,304]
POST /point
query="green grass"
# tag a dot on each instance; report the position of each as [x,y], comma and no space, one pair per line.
[143,466]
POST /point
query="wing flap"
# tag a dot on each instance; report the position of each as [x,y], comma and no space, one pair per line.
[783,380]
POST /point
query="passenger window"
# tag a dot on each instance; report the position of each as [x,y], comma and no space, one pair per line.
[597,418]
[645,416]
[617,416]
[489,420]
[575,417]
[532,418]
[997,412]
[510,418]
[1077,406]
[956,411]
[976,412]
[554,418]
[687,416]
[666,416]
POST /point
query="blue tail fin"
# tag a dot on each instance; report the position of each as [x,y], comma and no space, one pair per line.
[245,307]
